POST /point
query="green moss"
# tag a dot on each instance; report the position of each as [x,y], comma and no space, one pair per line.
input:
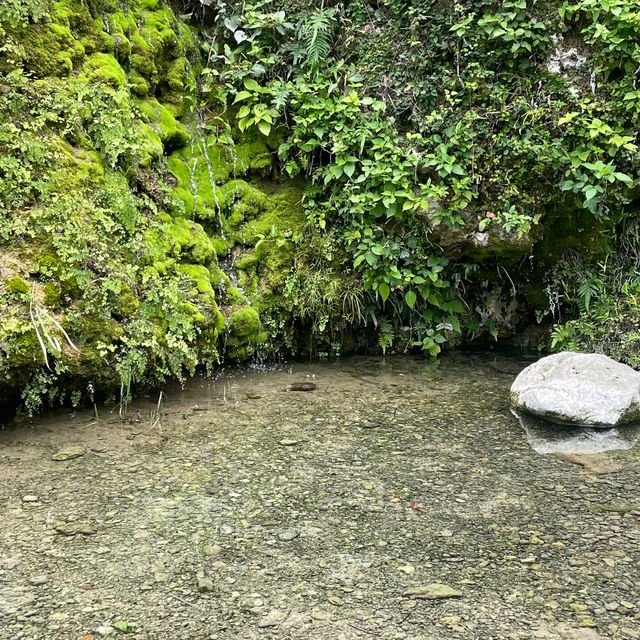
[244,322]
[248,261]
[17,285]
[201,278]
[172,133]
[78,168]
[181,239]
[198,180]
[158,31]
[150,146]
[139,86]
[244,333]
[176,74]
[143,64]
[280,211]
[53,46]
[51,294]
[264,270]
[254,156]
[103,67]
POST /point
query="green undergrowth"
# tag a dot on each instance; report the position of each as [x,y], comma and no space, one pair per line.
[448,146]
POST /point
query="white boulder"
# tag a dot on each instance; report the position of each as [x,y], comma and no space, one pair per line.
[585,389]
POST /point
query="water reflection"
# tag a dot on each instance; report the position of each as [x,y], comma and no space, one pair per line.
[545,437]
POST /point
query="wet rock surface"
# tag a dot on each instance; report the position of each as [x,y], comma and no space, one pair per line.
[203,525]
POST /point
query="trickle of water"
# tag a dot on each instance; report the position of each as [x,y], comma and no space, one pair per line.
[212,179]
[193,183]
[116,38]
[227,268]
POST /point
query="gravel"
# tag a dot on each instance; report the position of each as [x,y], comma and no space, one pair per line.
[404,475]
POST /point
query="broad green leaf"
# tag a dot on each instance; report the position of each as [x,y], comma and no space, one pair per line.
[241,95]
[244,111]
[265,128]
[590,193]
[251,85]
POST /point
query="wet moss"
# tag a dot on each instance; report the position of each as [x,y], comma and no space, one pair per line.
[181,239]
[244,332]
[171,131]
[244,322]
[137,278]
[103,67]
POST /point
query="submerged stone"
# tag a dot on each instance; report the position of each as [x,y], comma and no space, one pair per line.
[435,591]
[580,389]
[68,454]
[74,528]
[303,386]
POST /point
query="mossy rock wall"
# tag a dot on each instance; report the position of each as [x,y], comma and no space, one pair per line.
[119,215]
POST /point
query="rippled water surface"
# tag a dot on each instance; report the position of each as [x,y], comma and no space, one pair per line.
[245,509]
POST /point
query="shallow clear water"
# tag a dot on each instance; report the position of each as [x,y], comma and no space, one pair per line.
[248,510]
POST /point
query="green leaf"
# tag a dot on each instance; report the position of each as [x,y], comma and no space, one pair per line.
[410,298]
[251,85]
[623,177]
[241,95]
[123,627]
[590,193]
[265,128]
[455,306]
[384,291]
[244,111]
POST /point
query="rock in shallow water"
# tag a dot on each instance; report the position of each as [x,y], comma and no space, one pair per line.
[69,454]
[435,591]
[579,388]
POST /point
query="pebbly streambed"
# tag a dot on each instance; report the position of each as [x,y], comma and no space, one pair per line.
[244,510]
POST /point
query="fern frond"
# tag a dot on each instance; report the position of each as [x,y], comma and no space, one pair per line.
[316,35]
[281,93]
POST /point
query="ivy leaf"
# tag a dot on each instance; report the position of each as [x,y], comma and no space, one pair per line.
[410,298]
[232,23]
[240,36]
